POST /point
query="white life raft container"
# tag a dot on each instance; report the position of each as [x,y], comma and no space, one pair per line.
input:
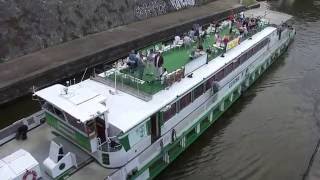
[19,165]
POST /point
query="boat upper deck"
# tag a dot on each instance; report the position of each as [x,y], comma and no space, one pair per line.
[178,58]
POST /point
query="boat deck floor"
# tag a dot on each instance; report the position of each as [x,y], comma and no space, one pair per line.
[38,144]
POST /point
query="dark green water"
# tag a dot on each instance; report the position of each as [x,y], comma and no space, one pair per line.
[20,108]
[271,132]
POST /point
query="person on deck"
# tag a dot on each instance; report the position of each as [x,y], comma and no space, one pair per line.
[150,63]
[216,27]
[191,34]
[209,29]
[231,22]
[187,41]
[158,64]
[140,67]
[218,40]
[242,17]
[176,40]
[225,43]
[132,60]
[163,75]
[196,34]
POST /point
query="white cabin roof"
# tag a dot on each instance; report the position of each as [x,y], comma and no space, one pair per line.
[125,110]
[80,102]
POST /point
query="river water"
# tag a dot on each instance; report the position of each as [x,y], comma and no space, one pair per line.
[271,131]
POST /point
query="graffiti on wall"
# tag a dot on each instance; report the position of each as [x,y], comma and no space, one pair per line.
[178,4]
[150,9]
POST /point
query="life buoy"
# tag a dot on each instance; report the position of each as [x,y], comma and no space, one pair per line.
[28,173]
[173,135]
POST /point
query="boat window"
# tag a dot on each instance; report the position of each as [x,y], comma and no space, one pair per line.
[262,44]
[58,113]
[256,48]
[243,58]
[209,83]
[219,75]
[198,91]
[250,53]
[91,127]
[228,69]
[48,107]
[170,112]
[75,122]
[236,63]
[54,110]
[185,101]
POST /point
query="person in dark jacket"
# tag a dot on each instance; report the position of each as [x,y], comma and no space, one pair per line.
[22,132]
[132,60]
[158,63]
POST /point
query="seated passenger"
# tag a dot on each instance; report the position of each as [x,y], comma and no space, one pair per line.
[151,55]
[163,75]
[210,29]
[200,47]
[187,40]
[191,34]
[176,40]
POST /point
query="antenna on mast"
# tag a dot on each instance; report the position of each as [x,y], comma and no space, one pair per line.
[84,74]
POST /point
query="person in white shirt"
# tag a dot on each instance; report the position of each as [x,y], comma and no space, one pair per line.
[242,17]
[187,40]
[210,29]
[176,40]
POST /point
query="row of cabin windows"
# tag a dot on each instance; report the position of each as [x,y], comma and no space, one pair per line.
[239,60]
[185,101]
[65,117]
[198,91]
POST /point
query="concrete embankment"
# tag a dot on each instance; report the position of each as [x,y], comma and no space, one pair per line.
[27,26]
[49,65]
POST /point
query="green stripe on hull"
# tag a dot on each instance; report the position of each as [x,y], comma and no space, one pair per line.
[79,139]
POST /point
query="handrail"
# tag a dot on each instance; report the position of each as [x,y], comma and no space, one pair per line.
[107,145]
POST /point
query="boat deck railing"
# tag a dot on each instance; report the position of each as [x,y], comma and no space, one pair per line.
[110,145]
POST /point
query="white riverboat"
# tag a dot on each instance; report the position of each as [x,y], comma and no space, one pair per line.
[137,123]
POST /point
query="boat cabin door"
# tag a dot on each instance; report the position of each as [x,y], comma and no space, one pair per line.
[155,127]
[100,129]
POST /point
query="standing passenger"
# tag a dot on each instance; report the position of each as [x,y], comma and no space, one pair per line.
[158,64]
